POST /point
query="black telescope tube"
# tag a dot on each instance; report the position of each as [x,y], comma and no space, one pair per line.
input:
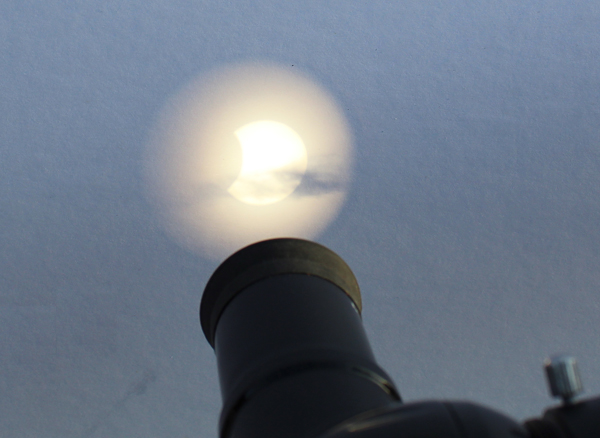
[283,316]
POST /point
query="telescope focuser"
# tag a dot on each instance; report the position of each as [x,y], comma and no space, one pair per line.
[294,361]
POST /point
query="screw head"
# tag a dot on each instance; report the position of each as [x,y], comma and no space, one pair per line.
[563,377]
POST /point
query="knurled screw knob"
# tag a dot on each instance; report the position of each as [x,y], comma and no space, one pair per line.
[563,377]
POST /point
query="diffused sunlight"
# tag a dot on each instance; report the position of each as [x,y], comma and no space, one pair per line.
[247,153]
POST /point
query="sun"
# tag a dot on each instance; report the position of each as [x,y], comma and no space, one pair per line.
[274,160]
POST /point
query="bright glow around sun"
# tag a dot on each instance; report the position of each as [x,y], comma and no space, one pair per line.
[246,153]
[273,163]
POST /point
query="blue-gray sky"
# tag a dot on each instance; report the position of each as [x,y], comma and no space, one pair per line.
[472,219]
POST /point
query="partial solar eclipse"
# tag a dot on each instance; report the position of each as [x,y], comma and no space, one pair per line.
[247,153]
[273,163]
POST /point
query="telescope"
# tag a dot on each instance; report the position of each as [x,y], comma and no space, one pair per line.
[294,361]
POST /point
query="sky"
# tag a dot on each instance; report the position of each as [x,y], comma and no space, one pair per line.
[471,215]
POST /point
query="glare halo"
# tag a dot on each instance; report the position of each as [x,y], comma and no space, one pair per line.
[194,157]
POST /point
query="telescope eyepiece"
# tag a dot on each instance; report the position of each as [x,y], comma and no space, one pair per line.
[266,259]
[283,317]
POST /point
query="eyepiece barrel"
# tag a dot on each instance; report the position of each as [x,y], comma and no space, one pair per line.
[267,259]
[283,316]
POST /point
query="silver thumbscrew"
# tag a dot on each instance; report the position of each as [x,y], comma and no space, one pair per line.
[563,377]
